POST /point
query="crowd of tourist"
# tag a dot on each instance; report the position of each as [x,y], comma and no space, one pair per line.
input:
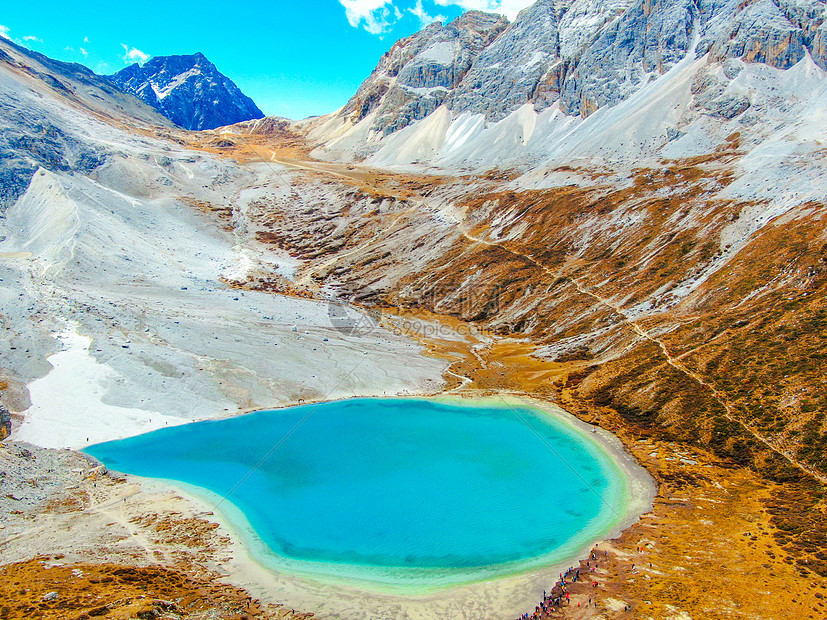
[559,596]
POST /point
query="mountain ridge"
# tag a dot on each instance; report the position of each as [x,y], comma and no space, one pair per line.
[189,90]
[655,261]
[575,58]
[36,135]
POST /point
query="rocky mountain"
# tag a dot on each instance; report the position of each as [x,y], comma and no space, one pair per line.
[618,206]
[418,73]
[36,130]
[189,90]
[507,72]
[561,61]
[108,208]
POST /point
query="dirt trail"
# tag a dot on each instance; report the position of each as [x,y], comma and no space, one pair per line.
[137,535]
[670,359]
[320,168]
[716,393]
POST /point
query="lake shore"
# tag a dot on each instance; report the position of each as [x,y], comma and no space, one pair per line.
[503,596]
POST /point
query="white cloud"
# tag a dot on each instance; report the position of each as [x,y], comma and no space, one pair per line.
[375,16]
[379,16]
[86,39]
[31,37]
[83,51]
[4,31]
[133,54]
[423,16]
[509,8]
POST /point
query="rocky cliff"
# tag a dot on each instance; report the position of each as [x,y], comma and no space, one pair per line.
[507,72]
[189,90]
[418,73]
[576,57]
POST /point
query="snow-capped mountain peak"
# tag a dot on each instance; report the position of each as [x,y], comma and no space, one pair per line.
[189,90]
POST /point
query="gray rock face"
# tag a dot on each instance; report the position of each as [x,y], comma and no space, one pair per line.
[506,74]
[582,21]
[819,47]
[732,68]
[28,142]
[648,39]
[189,90]
[730,106]
[811,18]
[761,32]
[5,422]
[31,138]
[726,106]
[710,96]
[416,75]
[583,55]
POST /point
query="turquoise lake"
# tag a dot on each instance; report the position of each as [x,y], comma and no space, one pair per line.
[375,488]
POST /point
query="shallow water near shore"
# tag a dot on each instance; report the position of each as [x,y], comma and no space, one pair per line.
[394,494]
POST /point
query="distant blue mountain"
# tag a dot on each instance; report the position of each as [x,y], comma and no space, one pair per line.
[189,90]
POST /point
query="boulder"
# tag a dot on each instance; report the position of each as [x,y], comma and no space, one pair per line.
[5,422]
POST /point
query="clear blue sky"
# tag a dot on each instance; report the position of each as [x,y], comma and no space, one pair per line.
[295,59]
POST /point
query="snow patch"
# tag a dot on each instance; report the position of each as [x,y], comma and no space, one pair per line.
[162,91]
[67,408]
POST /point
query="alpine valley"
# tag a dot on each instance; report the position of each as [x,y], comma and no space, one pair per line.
[614,207]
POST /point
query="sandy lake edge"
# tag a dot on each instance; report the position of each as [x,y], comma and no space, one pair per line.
[505,596]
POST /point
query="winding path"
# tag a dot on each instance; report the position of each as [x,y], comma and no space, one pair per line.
[673,361]
[670,359]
